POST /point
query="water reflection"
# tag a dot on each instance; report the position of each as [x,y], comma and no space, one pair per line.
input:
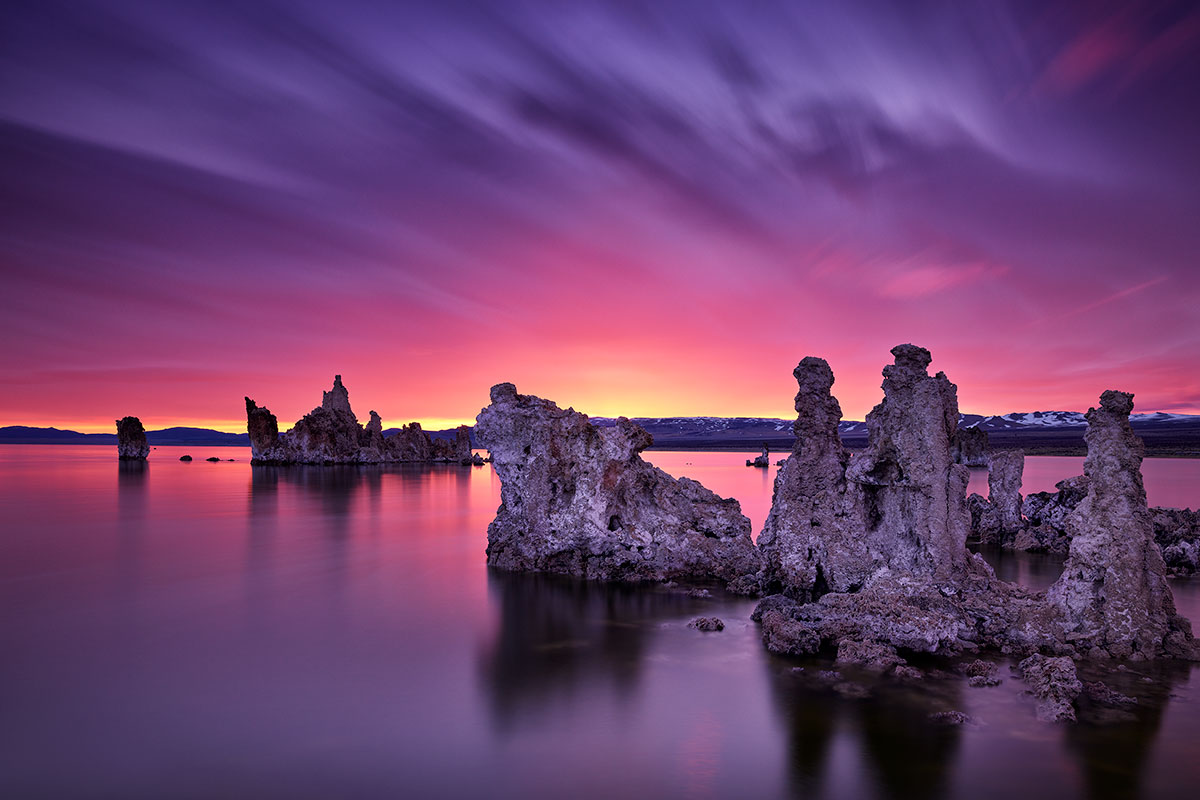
[557,635]
[1114,746]
[906,753]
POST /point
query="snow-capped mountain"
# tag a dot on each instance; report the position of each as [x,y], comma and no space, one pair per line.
[1019,429]
[1061,419]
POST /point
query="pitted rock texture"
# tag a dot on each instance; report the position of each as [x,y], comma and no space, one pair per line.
[1113,591]
[999,520]
[332,434]
[1055,684]
[1046,515]
[580,500]
[131,440]
[1177,531]
[898,508]
[970,447]
[1045,530]
[806,543]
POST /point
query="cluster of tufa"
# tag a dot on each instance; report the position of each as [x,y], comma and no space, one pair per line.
[865,555]
[332,434]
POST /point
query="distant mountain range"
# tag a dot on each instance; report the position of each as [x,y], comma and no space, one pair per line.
[1035,431]
[21,434]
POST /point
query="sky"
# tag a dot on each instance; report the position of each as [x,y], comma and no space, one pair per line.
[646,209]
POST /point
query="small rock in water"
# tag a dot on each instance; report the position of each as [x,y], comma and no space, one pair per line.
[981,673]
[907,673]
[699,593]
[1101,694]
[185,458]
[212,458]
[950,718]
[707,624]
[1055,683]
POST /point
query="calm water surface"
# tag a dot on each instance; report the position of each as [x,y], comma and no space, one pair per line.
[208,629]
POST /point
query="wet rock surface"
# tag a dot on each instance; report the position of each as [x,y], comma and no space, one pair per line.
[131,440]
[1055,684]
[580,500]
[332,434]
[707,624]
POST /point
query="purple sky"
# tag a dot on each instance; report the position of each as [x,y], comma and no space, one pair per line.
[632,208]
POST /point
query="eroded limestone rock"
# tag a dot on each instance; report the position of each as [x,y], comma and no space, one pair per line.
[970,447]
[580,500]
[131,440]
[806,543]
[1000,518]
[1113,592]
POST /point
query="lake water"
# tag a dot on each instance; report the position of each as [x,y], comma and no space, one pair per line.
[177,630]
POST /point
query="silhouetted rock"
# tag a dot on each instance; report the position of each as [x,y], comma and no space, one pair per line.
[212,458]
[332,434]
[580,500]
[131,440]
[1113,591]
[762,460]
[185,458]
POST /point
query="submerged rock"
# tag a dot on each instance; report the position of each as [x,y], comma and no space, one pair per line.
[707,624]
[1055,684]
[580,500]
[1113,591]
[131,440]
[332,434]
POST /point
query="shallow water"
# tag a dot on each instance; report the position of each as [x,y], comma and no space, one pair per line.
[208,629]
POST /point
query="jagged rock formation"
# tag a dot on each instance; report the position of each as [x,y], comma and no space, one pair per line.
[897,509]
[872,549]
[1046,514]
[970,447]
[1044,527]
[1177,531]
[131,440]
[1000,517]
[580,500]
[1113,591]
[806,523]
[332,434]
